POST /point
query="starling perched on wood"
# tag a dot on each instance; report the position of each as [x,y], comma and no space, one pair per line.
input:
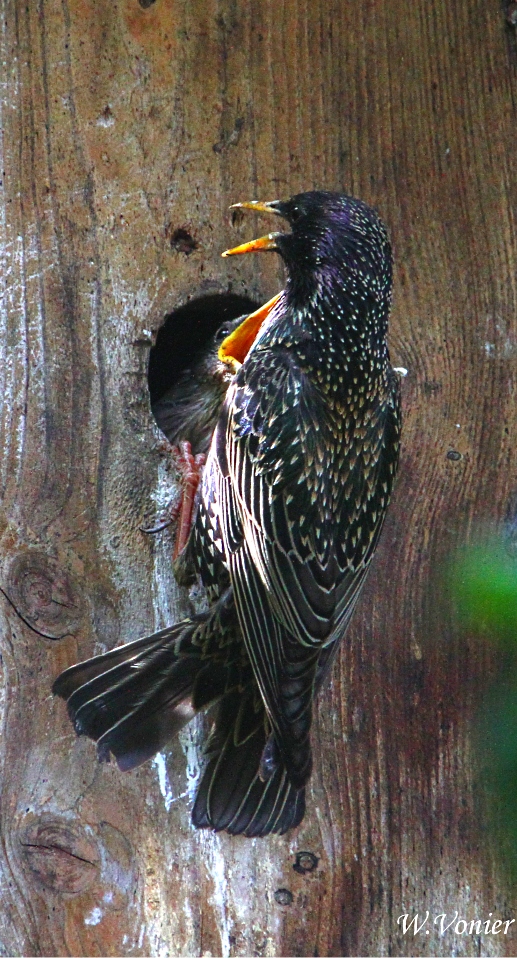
[294,493]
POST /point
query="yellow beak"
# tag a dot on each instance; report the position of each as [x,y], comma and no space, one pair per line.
[234,349]
[258,205]
[264,242]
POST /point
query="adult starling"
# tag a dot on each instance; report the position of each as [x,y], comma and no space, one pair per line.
[293,497]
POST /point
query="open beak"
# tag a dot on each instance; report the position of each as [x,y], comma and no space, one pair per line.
[234,349]
[264,242]
[254,246]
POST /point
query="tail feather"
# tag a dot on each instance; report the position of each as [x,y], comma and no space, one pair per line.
[280,808]
[134,699]
[126,690]
[140,735]
[232,796]
[78,675]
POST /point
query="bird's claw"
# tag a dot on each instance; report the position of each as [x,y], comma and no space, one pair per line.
[153,530]
[191,468]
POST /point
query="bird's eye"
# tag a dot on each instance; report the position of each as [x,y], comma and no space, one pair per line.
[222,333]
[295,214]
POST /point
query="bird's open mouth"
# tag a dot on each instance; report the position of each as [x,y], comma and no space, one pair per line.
[234,349]
[263,242]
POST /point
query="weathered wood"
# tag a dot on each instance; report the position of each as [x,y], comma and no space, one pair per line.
[122,123]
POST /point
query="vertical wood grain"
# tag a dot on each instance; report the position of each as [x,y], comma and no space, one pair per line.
[120,124]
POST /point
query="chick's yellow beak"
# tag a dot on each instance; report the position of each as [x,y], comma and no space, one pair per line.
[234,349]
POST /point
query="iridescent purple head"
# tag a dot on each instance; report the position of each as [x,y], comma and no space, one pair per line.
[334,239]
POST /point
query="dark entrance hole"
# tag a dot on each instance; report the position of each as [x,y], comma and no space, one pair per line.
[180,344]
[184,334]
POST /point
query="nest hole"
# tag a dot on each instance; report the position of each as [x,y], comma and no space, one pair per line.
[185,333]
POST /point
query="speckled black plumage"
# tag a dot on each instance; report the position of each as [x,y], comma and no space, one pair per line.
[294,494]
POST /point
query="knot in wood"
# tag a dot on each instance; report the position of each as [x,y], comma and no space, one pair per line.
[182,241]
[283,896]
[59,856]
[43,595]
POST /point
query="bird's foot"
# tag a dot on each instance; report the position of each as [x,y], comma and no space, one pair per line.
[170,515]
[191,468]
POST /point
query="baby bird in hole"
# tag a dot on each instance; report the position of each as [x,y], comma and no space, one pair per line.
[187,414]
[188,411]
[190,408]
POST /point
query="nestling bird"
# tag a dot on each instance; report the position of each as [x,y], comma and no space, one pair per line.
[293,498]
[187,414]
[190,407]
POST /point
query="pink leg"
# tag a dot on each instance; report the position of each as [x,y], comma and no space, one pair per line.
[191,468]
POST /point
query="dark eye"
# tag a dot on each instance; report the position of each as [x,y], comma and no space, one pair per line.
[295,214]
[222,333]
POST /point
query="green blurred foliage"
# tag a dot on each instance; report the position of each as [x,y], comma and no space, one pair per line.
[484,588]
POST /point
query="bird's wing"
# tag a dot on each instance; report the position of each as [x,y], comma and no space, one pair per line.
[277,514]
[276,497]
[365,496]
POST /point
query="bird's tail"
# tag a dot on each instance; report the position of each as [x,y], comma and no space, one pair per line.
[133,700]
[232,794]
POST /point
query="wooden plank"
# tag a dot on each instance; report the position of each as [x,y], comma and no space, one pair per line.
[122,123]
